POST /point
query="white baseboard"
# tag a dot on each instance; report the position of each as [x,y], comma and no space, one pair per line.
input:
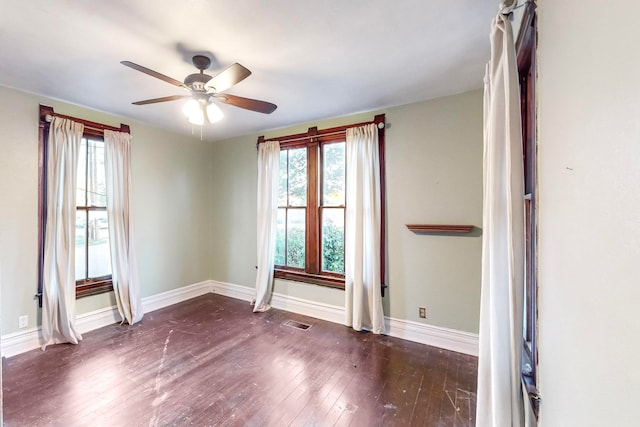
[233,291]
[87,322]
[449,339]
[174,296]
[22,341]
[330,313]
[30,339]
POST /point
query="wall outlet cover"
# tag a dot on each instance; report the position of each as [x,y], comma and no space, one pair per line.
[23,321]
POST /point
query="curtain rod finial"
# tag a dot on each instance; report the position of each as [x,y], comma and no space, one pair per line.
[507,6]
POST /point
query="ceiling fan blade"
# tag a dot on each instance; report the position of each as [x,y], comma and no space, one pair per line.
[152,73]
[232,75]
[163,99]
[247,103]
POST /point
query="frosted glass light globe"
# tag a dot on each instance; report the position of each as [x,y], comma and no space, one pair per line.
[197,117]
[190,107]
[214,113]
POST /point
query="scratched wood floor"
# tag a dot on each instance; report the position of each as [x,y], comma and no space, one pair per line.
[210,361]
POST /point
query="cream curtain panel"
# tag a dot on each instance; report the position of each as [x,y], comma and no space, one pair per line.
[268,179]
[363,300]
[58,277]
[499,399]
[124,271]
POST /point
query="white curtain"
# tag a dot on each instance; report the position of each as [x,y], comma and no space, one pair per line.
[363,299]
[268,180]
[124,271]
[58,276]
[499,399]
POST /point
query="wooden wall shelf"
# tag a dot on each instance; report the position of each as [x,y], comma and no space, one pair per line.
[439,228]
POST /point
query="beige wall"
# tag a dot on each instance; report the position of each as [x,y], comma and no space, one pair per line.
[194,209]
[434,175]
[171,204]
[589,212]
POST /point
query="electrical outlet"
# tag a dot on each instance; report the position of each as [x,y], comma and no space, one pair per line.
[23,321]
[423,312]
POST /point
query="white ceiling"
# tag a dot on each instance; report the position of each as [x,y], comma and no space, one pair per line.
[314,59]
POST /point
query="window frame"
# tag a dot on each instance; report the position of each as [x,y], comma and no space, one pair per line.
[313,140]
[91,285]
[322,206]
[289,207]
[526,45]
[92,130]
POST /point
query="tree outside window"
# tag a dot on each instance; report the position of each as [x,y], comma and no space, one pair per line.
[311,206]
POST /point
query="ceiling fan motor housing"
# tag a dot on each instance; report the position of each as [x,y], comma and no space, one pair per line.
[197,81]
[201,62]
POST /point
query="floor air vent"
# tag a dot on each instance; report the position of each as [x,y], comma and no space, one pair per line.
[297,325]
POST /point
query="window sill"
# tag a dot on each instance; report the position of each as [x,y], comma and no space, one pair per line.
[336,282]
[85,289]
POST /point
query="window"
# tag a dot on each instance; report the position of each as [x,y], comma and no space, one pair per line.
[332,207]
[311,206]
[526,49]
[93,259]
[92,253]
[292,209]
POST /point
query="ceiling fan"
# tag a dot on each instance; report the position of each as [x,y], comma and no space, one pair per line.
[205,89]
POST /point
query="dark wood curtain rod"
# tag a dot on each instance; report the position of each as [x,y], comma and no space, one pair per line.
[47,112]
[315,133]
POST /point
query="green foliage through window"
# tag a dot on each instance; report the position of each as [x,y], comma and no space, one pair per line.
[292,200]
[291,224]
[333,248]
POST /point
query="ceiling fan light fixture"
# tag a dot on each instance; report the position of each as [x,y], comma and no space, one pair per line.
[190,107]
[214,113]
[196,117]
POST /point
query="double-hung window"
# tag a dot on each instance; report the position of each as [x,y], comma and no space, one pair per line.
[310,227]
[526,49]
[311,206]
[91,248]
[92,255]
[292,209]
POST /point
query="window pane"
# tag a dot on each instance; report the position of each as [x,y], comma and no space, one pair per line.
[81,254]
[333,181]
[99,256]
[333,240]
[296,237]
[298,177]
[282,192]
[96,187]
[81,183]
[280,236]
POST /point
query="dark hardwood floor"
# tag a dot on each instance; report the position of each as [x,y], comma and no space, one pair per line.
[210,361]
